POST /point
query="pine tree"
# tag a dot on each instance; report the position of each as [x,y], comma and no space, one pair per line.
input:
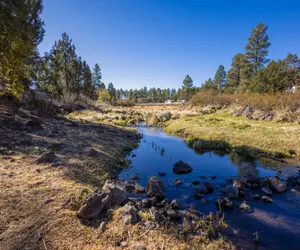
[239,76]
[257,47]
[187,86]
[88,87]
[21,32]
[112,92]
[173,94]
[63,69]
[220,77]
[209,85]
[273,78]
[97,76]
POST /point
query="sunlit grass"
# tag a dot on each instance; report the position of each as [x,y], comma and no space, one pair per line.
[271,137]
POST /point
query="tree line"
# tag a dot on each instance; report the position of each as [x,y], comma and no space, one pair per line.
[61,71]
[253,71]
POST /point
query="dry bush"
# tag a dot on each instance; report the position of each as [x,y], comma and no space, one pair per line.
[125,103]
[264,102]
[71,102]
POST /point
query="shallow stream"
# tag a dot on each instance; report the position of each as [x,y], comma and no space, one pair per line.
[278,224]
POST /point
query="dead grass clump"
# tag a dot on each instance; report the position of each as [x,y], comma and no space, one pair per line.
[285,116]
[264,102]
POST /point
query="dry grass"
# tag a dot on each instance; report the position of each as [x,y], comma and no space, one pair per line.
[264,102]
[270,137]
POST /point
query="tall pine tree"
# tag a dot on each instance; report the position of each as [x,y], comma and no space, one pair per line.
[187,87]
[239,76]
[88,87]
[220,77]
[97,76]
[257,47]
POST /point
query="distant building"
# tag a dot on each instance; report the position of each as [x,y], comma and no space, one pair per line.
[168,102]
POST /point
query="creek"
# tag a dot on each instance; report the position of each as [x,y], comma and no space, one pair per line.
[277,224]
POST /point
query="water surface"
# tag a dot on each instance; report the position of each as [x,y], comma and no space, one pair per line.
[277,223]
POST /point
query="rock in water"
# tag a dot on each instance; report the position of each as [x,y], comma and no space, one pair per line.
[245,206]
[174,204]
[156,188]
[181,167]
[138,189]
[209,187]
[267,190]
[255,196]
[200,191]
[231,191]
[196,182]
[267,199]
[178,182]
[276,184]
[239,183]
[224,202]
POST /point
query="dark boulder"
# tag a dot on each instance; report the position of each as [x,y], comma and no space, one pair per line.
[224,202]
[231,191]
[95,206]
[155,188]
[181,167]
[118,193]
[200,191]
[209,187]
[276,184]
[240,183]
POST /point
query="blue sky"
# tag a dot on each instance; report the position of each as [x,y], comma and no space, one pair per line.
[155,43]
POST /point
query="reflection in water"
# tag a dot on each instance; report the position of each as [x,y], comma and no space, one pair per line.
[249,168]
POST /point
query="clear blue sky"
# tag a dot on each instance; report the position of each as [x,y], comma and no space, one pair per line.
[155,43]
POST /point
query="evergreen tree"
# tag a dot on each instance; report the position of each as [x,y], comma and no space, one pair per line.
[187,86]
[209,84]
[21,30]
[112,92]
[239,76]
[220,77]
[173,94]
[118,94]
[257,47]
[130,94]
[97,76]
[273,78]
[88,87]
[62,69]
[292,62]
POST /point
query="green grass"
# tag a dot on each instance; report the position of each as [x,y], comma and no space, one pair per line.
[244,135]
